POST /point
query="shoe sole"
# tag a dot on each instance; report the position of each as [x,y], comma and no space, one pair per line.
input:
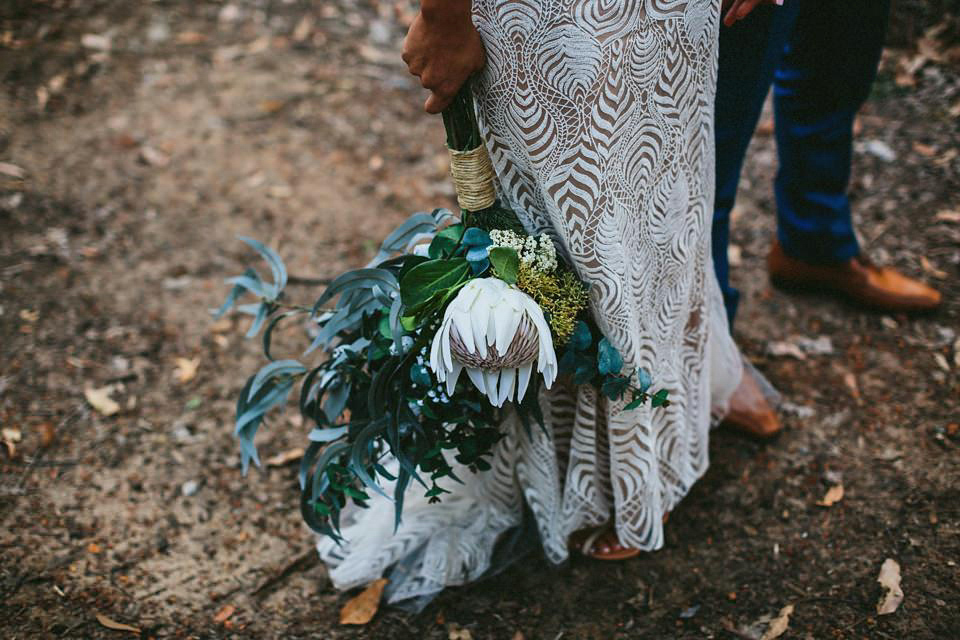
[806,288]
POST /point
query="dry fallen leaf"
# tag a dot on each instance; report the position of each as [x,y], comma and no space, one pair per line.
[303,29]
[191,37]
[285,457]
[186,369]
[100,400]
[932,270]
[833,496]
[224,613]
[361,609]
[95,41]
[458,633]
[11,437]
[116,626]
[941,361]
[850,380]
[47,433]
[153,156]
[948,215]
[781,349]
[779,624]
[889,579]
[12,170]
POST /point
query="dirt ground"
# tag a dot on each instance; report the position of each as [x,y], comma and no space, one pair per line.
[138,139]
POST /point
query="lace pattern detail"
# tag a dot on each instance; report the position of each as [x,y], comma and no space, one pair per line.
[598,115]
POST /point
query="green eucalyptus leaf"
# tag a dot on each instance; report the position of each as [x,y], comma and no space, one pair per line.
[581,338]
[360,451]
[609,360]
[268,332]
[275,369]
[276,263]
[476,237]
[644,380]
[358,278]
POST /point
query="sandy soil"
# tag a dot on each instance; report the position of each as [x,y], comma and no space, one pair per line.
[139,139]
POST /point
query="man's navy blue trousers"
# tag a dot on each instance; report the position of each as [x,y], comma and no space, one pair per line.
[821,56]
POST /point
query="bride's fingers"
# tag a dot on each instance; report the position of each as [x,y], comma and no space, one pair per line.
[740,9]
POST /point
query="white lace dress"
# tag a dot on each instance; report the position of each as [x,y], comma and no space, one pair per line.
[599,119]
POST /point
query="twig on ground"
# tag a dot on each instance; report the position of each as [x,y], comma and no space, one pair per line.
[304,562]
[305,281]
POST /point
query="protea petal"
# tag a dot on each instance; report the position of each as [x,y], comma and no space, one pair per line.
[500,331]
[508,379]
[462,322]
[508,320]
[479,328]
[523,379]
[492,387]
[453,377]
[476,376]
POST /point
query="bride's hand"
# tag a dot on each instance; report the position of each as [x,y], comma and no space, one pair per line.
[443,49]
[740,9]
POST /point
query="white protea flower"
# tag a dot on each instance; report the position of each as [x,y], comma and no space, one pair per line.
[497,333]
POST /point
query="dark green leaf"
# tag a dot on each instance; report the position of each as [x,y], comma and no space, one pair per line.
[445,241]
[419,375]
[360,451]
[398,492]
[336,400]
[659,399]
[506,263]
[615,386]
[268,332]
[275,369]
[429,278]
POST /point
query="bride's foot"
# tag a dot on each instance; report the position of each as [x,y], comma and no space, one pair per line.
[602,543]
[750,413]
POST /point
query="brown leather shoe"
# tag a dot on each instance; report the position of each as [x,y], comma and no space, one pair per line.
[858,281]
[750,413]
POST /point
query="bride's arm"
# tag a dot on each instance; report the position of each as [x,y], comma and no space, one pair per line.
[739,9]
[442,49]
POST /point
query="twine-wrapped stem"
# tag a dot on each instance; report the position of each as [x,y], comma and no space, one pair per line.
[473,178]
[469,162]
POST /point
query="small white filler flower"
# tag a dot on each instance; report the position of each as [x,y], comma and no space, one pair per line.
[497,333]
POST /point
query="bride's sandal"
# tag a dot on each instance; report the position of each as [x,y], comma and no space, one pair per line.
[601,543]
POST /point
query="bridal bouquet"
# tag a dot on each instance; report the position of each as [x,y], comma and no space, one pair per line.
[452,322]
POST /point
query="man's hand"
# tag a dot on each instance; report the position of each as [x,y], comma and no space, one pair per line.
[443,49]
[740,9]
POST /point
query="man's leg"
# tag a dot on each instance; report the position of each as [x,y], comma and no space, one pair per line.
[749,53]
[824,76]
